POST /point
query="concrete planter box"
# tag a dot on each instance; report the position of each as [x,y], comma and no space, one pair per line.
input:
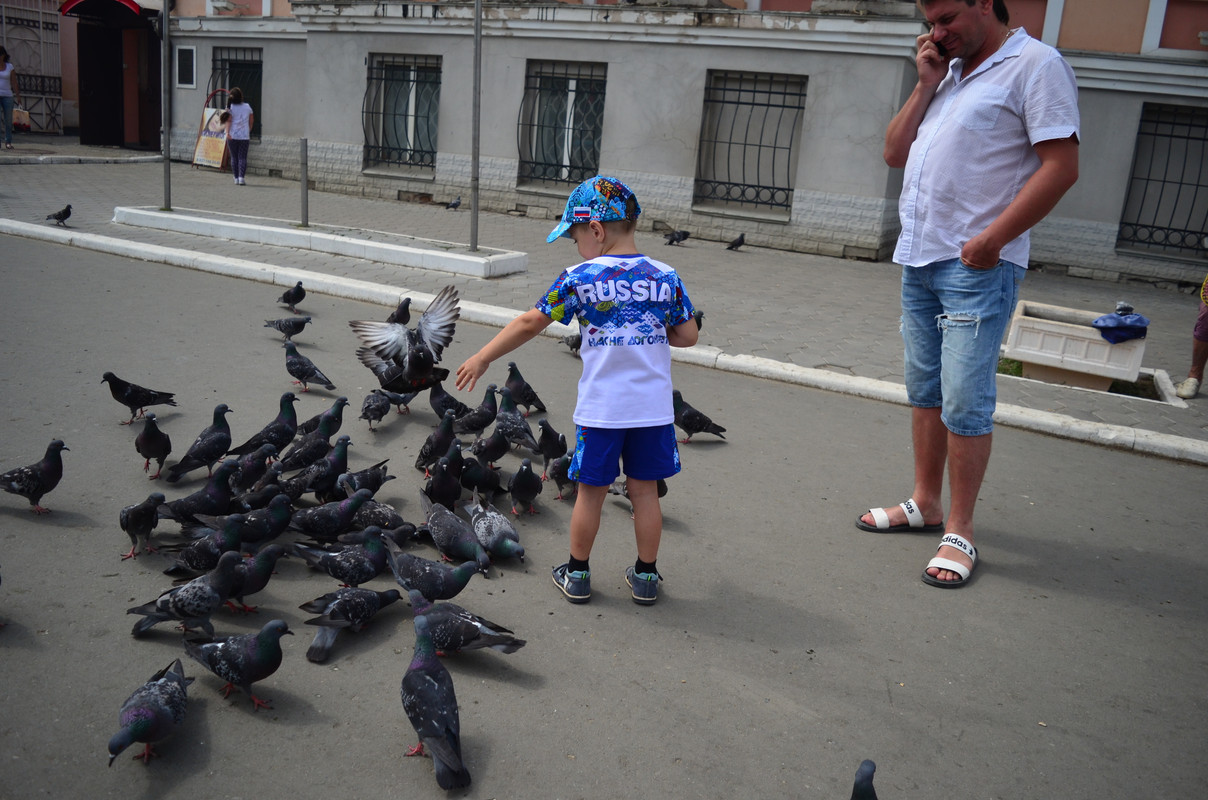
[1060,345]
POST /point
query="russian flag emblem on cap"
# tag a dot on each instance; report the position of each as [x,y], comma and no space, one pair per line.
[581,214]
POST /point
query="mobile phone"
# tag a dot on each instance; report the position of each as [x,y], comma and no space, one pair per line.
[942,51]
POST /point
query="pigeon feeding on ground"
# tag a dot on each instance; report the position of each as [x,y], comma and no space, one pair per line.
[452,535]
[404,358]
[559,473]
[253,467]
[329,520]
[371,478]
[432,579]
[692,421]
[321,476]
[214,498]
[522,393]
[303,369]
[551,444]
[151,443]
[481,480]
[431,705]
[476,420]
[242,660]
[454,629]
[437,443]
[252,574]
[36,480]
[289,327]
[202,554]
[443,486]
[495,532]
[524,487]
[441,401]
[291,297]
[192,603]
[346,608]
[209,446]
[675,237]
[451,206]
[399,401]
[61,216]
[353,565]
[512,425]
[574,342]
[260,525]
[863,789]
[152,713]
[333,416]
[374,407]
[737,243]
[138,521]
[492,448]
[279,432]
[135,397]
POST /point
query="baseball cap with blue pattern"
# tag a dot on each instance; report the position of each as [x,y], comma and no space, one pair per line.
[599,198]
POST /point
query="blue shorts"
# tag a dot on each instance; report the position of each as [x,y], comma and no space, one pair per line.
[648,453]
[953,321]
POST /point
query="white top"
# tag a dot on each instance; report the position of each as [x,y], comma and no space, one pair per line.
[974,149]
[6,80]
[241,115]
[624,305]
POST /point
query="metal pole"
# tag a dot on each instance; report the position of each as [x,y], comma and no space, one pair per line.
[476,124]
[165,135]
[305,188]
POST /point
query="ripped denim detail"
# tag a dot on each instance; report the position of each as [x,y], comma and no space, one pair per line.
[947,322]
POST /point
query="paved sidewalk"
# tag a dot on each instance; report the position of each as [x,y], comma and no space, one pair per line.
[816,320]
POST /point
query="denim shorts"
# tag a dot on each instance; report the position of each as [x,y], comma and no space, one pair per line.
[649,454]
[953,321]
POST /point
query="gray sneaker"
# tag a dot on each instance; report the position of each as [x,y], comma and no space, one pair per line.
[644,586]
[575,585]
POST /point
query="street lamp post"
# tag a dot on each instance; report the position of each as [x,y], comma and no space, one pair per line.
[165,136]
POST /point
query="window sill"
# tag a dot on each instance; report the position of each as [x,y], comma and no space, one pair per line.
[782,217]
[410,173]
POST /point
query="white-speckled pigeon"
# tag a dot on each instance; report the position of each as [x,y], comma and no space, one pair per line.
[452,535]
[346,608]
[495,531]
[242,660]
[512,424]
[454,629]
[303,369]
[38,479]
[431,705]
[194,602]
[152,713]
[434,580]
[289,327]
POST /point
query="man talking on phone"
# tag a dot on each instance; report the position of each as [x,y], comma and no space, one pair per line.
[989,142]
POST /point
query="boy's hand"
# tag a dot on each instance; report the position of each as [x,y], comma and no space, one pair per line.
[470,371]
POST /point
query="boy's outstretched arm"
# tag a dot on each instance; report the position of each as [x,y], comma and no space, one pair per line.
[514,334]
[685,334]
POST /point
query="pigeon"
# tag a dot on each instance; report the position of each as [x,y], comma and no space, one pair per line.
[675,237]
[135,397]
[253,573]
[202,554]
[456,458]
[452,535]
[138,521]
[291,297]
[242,660]
[310,448]
[151,443]
[344,608]
[437,443]
[209,446]
[61,216]
[699,316]
[481,480]
[370,478]
[574,342]
[36,480]
[214,498]
[524,487]
[320,477]
[454,629]
[494,531]
[152,713]
[551,445]
[334,416]
[863,789]
[492,448]
[381,515]
[279,432]
[260,525]
[454,205]
[522,393]
[253,467]
[737,243]
[514,427]
[476,420]
[558,473]
[303,369]
[692,421]
[402,313]
[399,401]
[404,358]
[353,565]
[288,326]
[432,579]
[441,401]
[330,519]
[374,407]
[442,486]
[191,603]
[431,705]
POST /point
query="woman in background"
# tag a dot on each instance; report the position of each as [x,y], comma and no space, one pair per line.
[10,94]
[239,134]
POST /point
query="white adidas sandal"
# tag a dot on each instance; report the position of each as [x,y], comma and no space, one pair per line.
[966,547]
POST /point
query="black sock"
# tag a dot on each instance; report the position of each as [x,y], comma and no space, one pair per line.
[641,566]
[575,565]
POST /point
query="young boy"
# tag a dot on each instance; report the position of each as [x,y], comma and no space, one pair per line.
[631,310]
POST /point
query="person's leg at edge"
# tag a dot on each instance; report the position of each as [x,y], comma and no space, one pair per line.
[1199,357]
[967,460]
[6,110]
[647,517]
[585,519]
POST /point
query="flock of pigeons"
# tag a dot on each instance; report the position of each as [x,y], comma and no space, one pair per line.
[291,479]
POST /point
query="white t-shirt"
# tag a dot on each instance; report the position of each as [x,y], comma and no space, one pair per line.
[973,151]
[6,80]
[241,115]
[624,305]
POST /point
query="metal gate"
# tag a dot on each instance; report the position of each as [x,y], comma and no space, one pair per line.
[242,67]
[29,30]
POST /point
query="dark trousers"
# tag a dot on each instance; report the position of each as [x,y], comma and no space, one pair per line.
[238,148]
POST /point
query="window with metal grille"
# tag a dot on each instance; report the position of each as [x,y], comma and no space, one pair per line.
[561,122]
[242,67]
[399,112]
[749,137]
[1166,209]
